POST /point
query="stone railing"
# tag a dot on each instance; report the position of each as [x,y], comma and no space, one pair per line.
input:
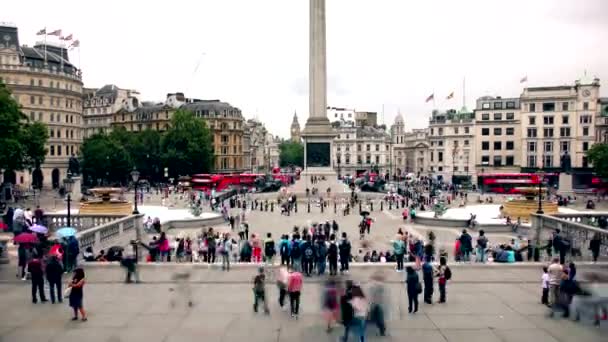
[118,232]
[589,219]
[571,227]
[79,222]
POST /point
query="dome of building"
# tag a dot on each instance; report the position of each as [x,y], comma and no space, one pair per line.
[399,119]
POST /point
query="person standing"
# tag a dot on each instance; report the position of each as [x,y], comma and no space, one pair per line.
[413,289]
[77,294]
[284,250]
[226,251]
[211,246]
[594,246]
[544,299]
[344,250]
[54,271]
[256,244]
[399,250]
[445,274]
[321,254]
[269,249]
[259,291]
[295,252]
[35,269]
[308,256]
[294,288]
[466,245]
[555,277]
[332,255]
[427,277]
[482,244]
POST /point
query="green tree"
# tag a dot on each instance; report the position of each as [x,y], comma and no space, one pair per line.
[34,138]
[21,143]
[598,156]
[291,153]
[146,154]
[187,146]
[105,159]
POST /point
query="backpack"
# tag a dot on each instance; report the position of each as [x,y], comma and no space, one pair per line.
[345,248]
[308,252]
[333,251]
[447,273]
[295,250]
[322,250]
[269,248]
[482,242]
[258,283]
[284,249]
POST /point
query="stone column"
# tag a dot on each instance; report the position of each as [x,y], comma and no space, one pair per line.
[317,63]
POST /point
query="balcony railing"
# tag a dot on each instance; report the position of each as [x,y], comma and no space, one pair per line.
[79,222]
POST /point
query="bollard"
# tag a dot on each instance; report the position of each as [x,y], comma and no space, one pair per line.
[272,207]
[390,205]
[371,206]
[335,208]
[295,207]
[309,207]
[251,206]
[322,206]
[381,205]
[360,207]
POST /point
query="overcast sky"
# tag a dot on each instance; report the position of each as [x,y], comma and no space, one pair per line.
[381,53]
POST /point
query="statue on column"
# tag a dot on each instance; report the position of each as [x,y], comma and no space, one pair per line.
[74,166]
[565,163]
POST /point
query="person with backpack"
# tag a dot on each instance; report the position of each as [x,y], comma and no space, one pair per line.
[344,250]
[466,245]
[427,278]
[414,288]
[332,255]
[284,250]
[445,274]
[259,291]
[482,244]
[399,250]
[269,249]
[295,253]
[321,254]
[308,256]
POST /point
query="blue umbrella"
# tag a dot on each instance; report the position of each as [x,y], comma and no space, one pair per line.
[66,231]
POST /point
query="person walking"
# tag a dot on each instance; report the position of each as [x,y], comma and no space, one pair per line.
[444,274]
[354,308]
[427,277]
[54,271]
[594,246]
[259,291]
[256,244]
[330,307]
[377,296]
[77,293]
[269,249]
[544,299]
[482,244]
[555,277]
[413,289]
[34,267]
[399,250]
[294,288]
[282,282]
[345,251]
[332,255]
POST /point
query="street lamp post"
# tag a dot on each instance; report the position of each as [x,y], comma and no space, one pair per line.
[540,192]
[135,177]
[67,184]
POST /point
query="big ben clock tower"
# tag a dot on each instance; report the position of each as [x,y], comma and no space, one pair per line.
[295,129]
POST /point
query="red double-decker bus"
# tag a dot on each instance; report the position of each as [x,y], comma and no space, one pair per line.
[221,182]
[507,183]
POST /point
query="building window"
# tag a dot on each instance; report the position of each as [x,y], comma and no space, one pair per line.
[497,160]
[585,105]
[466,143]
[548,120]
[497,105]
[548,146]
[432,131]
[510,116]
[359,160]
[531,161]
[368,147]
[39,116]
[440,156]
[585,131]
[368,159]
[440,131]
[564,146]
[548,132]
[347,159]
[531,132]
[358,147]
[548,161]
[532,107]
[510,105]
[532,120]
[52,150]
[485,105]
[52,133]
[509,161]
[455,168]
[485,160]
[440,143]
[549,107]
[564,132]
[485,145]
[564,119]
[377,160]
[58,150]
[497,131]
[509,131]
[32,116]
[497,116]
[510,145]
[498,145]
[485,131]
[585,119]
[432,156]
[440,168]
[564,106]
[585,145]
[377,147]
[485,116]
[466,130]
[455,130]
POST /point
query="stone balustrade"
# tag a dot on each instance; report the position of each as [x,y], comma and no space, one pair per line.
[79,222]
[574,227]
[118,232]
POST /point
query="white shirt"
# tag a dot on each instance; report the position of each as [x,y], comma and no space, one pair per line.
[545,280]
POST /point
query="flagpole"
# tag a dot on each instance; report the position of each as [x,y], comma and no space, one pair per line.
[434,106]
[464,93]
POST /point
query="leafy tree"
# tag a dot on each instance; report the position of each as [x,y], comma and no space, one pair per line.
[146,154]
[291,153]
[21,143]
[598,156]
[187,146]
[105,159]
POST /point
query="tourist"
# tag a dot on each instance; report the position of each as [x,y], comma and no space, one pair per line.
[572,271]
[345,251]
[34,267]
[444,273]
[354,311]
[179,249]
[378,301]
[544,299]
[284,250]
[482,244]
[163,247]
[226,251]
[555,274]
[72,252]
[76,294]
[295,252]
[332,255]
[427,277]
[308,256]
[259,291]
[245,251]
[418,251]
[465,245]
[294,288]
[269,249]
[346,309]
[321,254]
[399,250]
[188,249]
[211,246]
[282,282]
[413,289]
[256,245]
[54,271]
[330,306]
[594,246]
[23,257]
